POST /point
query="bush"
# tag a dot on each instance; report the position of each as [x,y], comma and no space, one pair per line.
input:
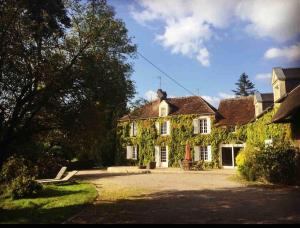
[17,175]
[24,186]
[276,164]
[247,165]
[16,166]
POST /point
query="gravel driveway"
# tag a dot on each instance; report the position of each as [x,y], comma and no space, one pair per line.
[204,197]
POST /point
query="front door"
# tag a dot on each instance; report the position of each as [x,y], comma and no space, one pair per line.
[164,157]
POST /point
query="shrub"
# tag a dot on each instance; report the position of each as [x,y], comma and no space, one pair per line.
[24,186]
[17,175]
[16,166]
[278,163]
[247,165]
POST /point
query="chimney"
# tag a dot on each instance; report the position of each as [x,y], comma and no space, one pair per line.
[162,95]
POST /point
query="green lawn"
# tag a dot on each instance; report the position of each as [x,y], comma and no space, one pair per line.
[54,204]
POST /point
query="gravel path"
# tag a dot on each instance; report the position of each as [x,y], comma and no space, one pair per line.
[204,197]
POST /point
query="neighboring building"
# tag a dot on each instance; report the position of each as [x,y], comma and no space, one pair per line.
[286,87]
[289,111]
[234,113]
[284,81]
[263,102]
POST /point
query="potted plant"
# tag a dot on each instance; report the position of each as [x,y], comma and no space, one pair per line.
[151,165]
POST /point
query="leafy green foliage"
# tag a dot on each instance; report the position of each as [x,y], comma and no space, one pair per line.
[244,86]
[181,134]
[65,78]
[24,186]
[18,176]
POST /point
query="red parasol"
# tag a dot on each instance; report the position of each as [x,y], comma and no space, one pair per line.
[188,156]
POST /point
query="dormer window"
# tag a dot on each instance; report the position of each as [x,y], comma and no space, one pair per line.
[164,109]
[163,112]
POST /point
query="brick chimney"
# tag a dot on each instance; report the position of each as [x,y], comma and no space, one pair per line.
[162,95]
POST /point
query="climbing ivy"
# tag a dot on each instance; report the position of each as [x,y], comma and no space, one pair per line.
[182,132]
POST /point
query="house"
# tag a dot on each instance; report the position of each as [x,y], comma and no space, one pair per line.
[160,130]
[168,123]
[233,113]
[286,88]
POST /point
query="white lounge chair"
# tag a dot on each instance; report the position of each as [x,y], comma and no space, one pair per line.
[58,176]
[54,181]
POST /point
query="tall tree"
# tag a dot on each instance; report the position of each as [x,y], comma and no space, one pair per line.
[244,86]
[64,77]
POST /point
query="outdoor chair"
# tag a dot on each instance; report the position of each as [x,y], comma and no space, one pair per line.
[58,176]
[59,181]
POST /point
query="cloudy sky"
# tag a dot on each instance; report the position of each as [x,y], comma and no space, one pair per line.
[206,44]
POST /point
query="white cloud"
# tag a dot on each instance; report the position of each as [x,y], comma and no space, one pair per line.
[275,19]
[150,95]
[291,53]
[190,24]
[263,77]
[215,100]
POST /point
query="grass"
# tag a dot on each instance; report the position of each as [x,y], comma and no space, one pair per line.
[54,204]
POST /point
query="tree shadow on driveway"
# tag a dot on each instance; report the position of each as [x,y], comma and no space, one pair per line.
[232,205]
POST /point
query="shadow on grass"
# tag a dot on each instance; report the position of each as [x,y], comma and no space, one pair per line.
[232,205]
[38,215]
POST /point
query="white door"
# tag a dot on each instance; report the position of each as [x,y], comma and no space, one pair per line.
[164,157]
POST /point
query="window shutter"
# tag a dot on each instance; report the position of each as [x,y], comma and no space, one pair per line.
[168,127]
[196,153]
[157,126]
[129,152]
[196,126]
[209,154]
[208,125]
[157,156]
[131,129]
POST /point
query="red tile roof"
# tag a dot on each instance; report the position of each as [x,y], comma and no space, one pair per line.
[236,111]
[179,106]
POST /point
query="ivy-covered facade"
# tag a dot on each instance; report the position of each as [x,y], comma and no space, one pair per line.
[160,130]
[142,140]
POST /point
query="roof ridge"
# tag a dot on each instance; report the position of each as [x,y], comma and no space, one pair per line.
[237,98]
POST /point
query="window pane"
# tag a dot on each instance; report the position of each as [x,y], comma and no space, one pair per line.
[163,112]
[204,153]
[203,126]
[163,154]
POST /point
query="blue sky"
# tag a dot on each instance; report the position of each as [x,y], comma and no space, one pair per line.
[205,45]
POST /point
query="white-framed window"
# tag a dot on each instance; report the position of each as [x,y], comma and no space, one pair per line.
[133,129]
[203,126]
[164,128]
[202,153]
[163,112]
[132,153]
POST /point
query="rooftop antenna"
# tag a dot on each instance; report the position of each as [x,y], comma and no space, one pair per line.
[198,92]
[159,77]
